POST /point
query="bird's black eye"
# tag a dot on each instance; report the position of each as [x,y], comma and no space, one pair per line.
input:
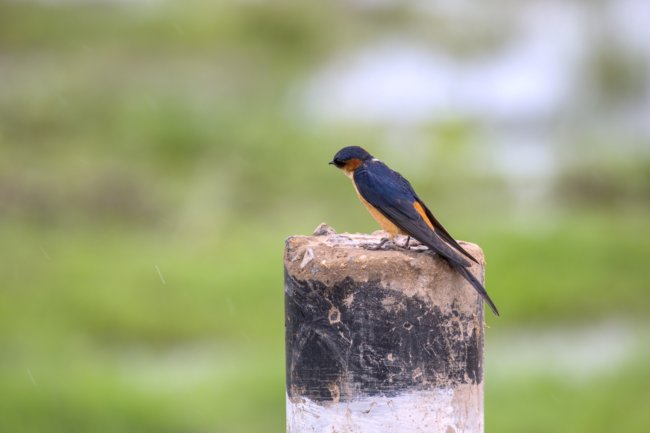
[339,163]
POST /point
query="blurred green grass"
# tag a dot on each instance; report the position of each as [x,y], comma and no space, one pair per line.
[109,344]
[612,403]
[149,174]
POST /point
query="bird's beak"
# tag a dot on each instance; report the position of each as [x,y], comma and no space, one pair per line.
[331,163]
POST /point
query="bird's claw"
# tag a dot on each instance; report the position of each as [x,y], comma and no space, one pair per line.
[393,244]
[385,244]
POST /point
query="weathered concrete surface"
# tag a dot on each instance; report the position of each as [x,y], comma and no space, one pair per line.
[380,337]
[445,410]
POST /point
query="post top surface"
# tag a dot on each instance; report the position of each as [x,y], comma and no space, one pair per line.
[330,257]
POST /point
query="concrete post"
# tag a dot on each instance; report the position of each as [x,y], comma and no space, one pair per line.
[380,340]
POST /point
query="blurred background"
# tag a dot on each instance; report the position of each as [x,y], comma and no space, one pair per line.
[154,156]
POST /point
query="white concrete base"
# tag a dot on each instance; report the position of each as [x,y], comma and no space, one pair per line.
[458,410]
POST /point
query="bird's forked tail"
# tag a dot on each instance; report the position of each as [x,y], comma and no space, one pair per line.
[465,272]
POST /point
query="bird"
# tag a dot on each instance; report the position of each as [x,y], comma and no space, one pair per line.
[393,203]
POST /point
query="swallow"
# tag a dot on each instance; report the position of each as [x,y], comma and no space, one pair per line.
[393,203]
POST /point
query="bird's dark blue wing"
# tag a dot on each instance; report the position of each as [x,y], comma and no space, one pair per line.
[442,231]
[393,196]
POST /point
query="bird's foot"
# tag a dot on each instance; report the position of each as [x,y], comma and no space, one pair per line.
[407,243]
[385,244]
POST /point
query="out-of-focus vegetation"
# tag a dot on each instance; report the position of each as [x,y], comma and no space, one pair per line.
[154,157]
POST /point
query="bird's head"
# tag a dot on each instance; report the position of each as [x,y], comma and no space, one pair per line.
[350,158]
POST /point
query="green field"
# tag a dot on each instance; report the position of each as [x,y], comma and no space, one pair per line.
[149,177]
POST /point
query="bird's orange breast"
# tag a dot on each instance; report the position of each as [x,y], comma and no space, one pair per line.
[383,222]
